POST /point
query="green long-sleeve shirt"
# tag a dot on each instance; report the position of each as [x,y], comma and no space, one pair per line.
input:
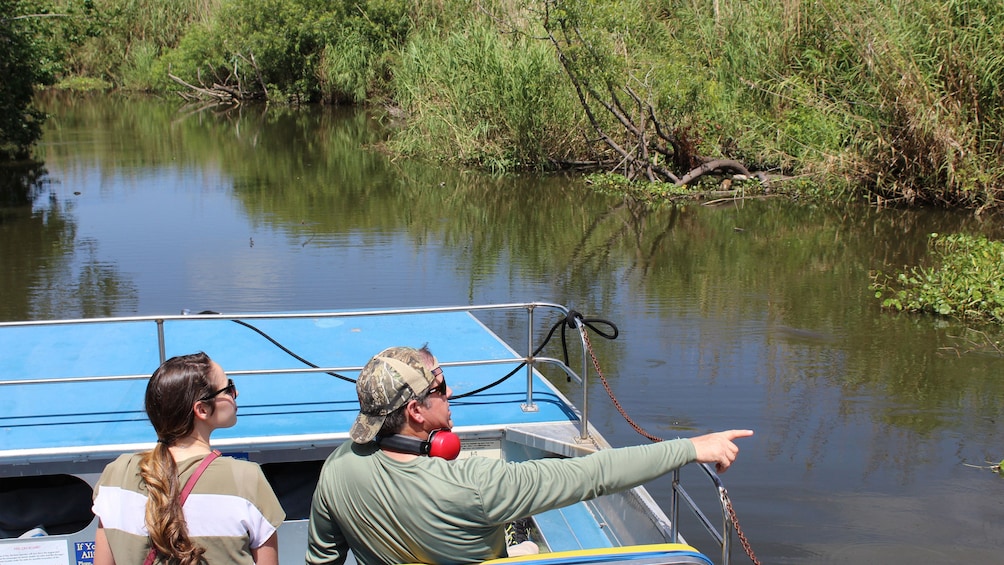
[430,510]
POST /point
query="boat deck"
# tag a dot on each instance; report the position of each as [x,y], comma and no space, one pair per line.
[75,390]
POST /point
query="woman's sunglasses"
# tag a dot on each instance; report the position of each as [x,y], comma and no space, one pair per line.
[230,389]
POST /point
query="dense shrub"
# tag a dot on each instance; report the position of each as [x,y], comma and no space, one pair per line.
[903,102]
[360,56]
[294,50]
[118,40]
[483,98]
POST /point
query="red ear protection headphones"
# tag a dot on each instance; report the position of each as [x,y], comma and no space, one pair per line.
[441,443]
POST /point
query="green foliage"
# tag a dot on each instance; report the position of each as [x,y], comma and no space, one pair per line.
[139,71]
[82,84]
[902,105]
[22,66]
[615,184]
[116,40]
[897,100]
[294,50]
[966,280]
[610,183]
[482,98]
[359,56]
[264,48]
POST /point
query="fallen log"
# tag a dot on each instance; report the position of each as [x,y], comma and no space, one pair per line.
[218,92]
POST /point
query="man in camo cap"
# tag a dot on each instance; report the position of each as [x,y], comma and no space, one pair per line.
[391,506]
[390,380]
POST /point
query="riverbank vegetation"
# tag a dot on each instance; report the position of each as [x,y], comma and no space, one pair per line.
[862,97]
[964,278]
[23,66]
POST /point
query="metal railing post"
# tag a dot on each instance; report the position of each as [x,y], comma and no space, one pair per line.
[160,340]
[727,528]
[674,509]
[529,405]
[585,381]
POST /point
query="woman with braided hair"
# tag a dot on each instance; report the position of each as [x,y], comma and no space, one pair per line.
[178,503]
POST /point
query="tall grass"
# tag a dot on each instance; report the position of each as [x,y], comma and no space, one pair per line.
[484,98]
[903,98]
[360,53]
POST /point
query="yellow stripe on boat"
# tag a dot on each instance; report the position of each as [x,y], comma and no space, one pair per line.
[624,553]
[668,553]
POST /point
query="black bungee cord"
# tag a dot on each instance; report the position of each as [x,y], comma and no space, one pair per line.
[282,347]
[569,321]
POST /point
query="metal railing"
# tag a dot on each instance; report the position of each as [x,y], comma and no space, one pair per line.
[723,537]
[531,361]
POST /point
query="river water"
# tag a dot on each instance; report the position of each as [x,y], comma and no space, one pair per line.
[874,430]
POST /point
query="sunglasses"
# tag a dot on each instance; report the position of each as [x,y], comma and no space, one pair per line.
[230,389]
[441,387]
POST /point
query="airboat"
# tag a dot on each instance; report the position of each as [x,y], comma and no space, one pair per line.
[72,401]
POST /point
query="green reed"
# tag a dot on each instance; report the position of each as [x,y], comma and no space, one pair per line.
[481,98]
[899,99]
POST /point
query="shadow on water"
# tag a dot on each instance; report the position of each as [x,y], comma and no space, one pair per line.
[751,315]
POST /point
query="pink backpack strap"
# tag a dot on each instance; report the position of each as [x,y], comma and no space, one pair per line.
[150,557]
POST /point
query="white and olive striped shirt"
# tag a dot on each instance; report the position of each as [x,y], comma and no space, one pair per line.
[231,510]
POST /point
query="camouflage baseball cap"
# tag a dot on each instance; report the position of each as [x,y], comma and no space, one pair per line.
[387,382]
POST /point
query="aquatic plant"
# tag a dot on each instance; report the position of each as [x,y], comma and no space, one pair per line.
[965,279]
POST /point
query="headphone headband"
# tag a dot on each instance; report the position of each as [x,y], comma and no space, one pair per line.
[441,443]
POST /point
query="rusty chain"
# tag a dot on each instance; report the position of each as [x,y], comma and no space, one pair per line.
[739,531]
[613,398]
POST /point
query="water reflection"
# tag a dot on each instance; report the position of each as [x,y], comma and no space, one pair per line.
[20,183]
[47,272]
[754,314]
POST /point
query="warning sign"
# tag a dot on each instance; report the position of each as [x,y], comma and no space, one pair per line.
[35,552]
[482,448]
[85,552]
